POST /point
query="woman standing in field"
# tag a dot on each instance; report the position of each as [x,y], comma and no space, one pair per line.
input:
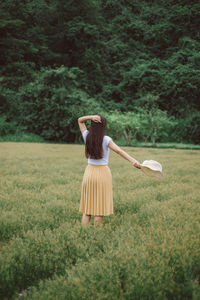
[96,192]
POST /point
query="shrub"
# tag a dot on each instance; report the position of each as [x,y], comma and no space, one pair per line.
[156,125]
[122,126]
[51,104]
[147,125]
[188,129]
[6,127]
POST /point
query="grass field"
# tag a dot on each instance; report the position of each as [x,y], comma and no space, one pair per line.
[149,248]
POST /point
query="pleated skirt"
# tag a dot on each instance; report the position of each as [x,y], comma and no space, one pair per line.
[96,191]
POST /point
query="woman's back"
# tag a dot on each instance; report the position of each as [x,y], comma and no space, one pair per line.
[106,151]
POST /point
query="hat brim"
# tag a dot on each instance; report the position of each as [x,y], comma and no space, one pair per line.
[150,172]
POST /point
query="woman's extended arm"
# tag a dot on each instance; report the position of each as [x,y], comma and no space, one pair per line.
[125,155]
[82,120]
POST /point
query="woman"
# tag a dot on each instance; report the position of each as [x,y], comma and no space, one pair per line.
[96,192]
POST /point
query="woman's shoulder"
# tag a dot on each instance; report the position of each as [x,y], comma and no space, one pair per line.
[85,132]
[107,139]
[84,135]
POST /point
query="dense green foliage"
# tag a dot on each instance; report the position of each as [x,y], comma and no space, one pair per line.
[149,248]
[60,59]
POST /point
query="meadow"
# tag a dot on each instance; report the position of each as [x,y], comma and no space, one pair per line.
[148,249]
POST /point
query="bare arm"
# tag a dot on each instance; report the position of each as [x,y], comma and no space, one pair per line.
[125,155]
[82,120]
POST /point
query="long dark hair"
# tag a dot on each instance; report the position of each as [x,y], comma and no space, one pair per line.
[94,140]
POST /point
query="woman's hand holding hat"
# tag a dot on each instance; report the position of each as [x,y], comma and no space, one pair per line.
[137,164]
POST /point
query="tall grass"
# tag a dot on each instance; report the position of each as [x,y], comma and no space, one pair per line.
[22,137]
[149,248]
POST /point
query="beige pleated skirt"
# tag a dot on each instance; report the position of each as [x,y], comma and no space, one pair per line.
[96,191]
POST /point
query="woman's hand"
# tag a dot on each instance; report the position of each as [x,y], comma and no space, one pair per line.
[96,119]
[137,164]
[82,120]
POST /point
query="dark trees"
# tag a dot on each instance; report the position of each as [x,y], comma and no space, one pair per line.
[126,53]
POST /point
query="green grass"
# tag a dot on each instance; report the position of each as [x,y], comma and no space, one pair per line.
[149,248]
[22,137]
[171,145]
[33,138]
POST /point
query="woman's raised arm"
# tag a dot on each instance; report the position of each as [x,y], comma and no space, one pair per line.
[125,155]
[82,120]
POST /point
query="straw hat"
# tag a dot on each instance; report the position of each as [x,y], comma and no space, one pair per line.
[152,168]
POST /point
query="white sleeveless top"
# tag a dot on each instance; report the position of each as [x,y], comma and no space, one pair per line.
[106,151]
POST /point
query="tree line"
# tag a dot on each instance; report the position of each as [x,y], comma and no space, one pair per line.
[136,61]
